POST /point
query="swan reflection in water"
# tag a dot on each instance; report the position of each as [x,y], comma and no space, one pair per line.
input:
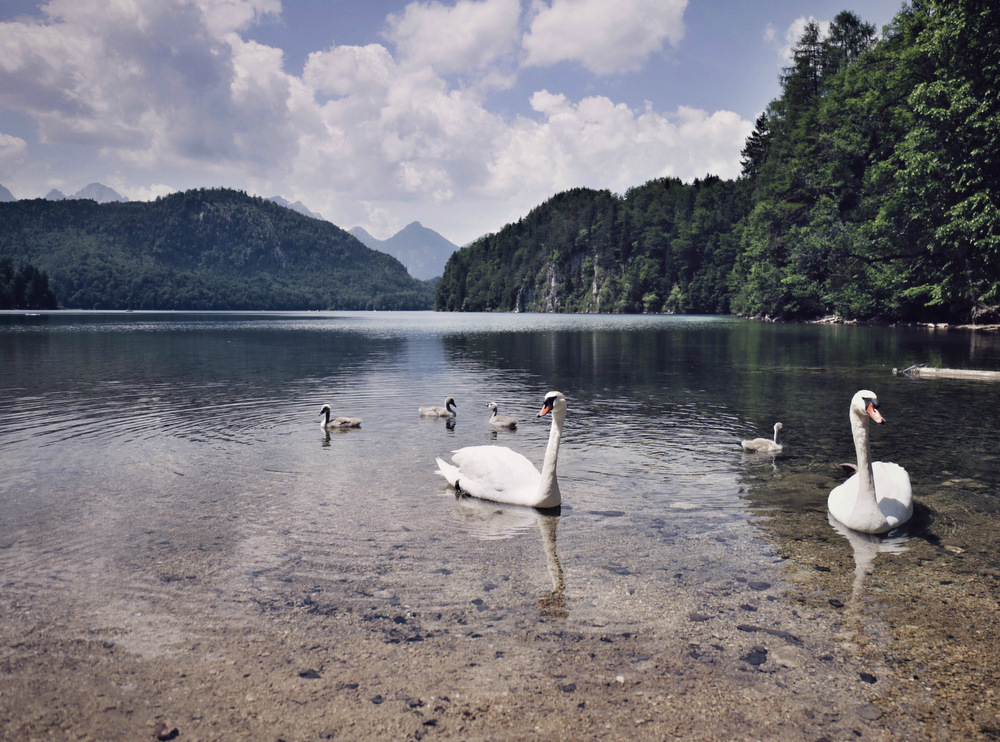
[335,431]
[494,521]
[754,458]
[866,547]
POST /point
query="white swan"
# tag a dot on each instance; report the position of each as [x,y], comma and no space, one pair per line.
[764,445]
[502,475]
[438,411]
[337,422]
[500,421]
[878,497]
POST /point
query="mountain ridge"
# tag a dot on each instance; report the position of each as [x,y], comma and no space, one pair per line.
[423,251]
[202,249]
[297,206]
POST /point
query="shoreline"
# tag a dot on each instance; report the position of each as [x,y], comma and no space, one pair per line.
[806,649]
[835,320]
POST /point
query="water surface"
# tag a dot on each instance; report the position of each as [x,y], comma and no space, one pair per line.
[164,471]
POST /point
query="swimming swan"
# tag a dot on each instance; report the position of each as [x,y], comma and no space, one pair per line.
[878,497]
[764,445]
[502,475]
[337,422]
[438,411]
[500,421]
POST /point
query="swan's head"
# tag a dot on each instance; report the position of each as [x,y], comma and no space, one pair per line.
[777,427]
[492,406]
[450,402]
[864,403]
[555,403]
[324,409]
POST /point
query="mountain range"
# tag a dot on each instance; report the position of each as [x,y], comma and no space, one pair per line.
[215,249]
[422,251]
[297,206]
[94,191]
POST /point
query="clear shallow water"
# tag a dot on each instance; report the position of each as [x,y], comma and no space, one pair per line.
[161,470]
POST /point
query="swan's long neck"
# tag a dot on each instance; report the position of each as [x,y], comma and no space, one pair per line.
[549,487]
[777,432]
[327,411]
[865,499]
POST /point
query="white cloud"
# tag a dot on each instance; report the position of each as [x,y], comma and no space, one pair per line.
[367,134]
[229,16]
[153,82]
[794,34]
[457,38]
[144,193]
[390,130]
[12,151]
[350,70]
[604,37]
[601,144]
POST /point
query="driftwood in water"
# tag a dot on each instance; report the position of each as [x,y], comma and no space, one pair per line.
[923,371]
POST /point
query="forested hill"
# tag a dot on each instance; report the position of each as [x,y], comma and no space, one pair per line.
[201,249]
[664,247]
[870,190]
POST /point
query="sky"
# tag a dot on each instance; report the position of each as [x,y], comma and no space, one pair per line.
[463,115]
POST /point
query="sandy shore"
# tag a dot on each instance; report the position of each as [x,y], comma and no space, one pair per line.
[815,653]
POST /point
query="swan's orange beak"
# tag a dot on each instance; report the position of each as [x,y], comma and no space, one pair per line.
[874,414]
[547,408]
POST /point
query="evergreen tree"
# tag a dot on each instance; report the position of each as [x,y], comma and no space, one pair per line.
[25,287]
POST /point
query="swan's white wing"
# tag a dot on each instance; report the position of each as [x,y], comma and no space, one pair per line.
[449,472]
[841,503]
[760,444]
[893,492]
[893,495]
[496,473]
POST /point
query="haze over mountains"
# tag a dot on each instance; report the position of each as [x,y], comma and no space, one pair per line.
[297,206]
[94,191]
[422,251]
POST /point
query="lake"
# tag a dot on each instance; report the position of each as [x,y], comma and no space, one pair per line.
[180,540]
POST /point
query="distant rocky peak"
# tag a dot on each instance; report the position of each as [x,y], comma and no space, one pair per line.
[298,206]
[365,238]
[100,193]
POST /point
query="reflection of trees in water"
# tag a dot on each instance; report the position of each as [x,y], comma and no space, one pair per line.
[587,360]
[492,521]
[195,378]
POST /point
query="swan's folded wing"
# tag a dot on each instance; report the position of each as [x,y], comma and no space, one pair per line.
[449,472]
[893,491]
[491,471]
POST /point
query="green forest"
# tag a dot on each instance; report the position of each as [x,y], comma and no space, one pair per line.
[869,191]
[215,249]
[24,287]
